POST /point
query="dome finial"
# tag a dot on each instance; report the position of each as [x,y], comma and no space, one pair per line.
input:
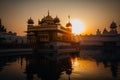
[48,12]
[69,17]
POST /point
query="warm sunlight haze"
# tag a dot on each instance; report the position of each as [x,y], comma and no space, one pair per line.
[78,26]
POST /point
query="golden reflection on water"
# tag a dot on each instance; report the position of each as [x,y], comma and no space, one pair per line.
[88,68]
[75,61]
[82,69]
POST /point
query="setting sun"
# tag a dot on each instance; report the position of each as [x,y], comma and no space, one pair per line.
[78,26]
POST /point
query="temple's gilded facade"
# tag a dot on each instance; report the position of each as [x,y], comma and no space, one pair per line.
[49,32]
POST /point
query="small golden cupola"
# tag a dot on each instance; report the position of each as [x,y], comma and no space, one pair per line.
[69,24]
[30,21]
[56,20]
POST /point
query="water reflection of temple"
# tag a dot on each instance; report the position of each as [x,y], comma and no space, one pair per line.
[45,69]
[112,60]
[114,67]
[109,59]
[38,67]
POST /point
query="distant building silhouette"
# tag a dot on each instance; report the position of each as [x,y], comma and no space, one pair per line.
[113,30]
[10,37]
[46,69]
[102,38]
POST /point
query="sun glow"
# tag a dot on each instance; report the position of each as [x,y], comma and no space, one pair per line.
[78,26]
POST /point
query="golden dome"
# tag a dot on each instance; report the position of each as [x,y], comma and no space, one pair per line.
[48,19]
[56,20]
[68,24]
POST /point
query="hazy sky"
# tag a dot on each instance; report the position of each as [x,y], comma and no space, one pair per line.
[94,13]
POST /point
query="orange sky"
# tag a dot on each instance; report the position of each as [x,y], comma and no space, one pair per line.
[94,13]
